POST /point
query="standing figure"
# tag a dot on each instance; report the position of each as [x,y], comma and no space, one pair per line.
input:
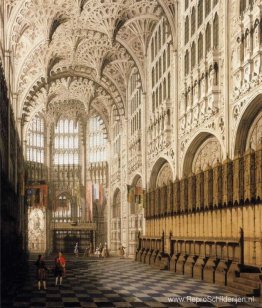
[60,264]
[41,272]
[105,253]
[100,248]
[122,251]
[76,250]
[87,251]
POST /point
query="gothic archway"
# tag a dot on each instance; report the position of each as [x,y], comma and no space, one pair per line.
[161,174]
[248,119]
[204,150]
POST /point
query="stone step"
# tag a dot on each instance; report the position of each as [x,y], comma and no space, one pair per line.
[238,291]
[252,276]
[240,286]
[246,289]
[248,282]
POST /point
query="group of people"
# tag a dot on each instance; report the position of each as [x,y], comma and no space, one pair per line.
[59,268]
[102,251]
[86,253]
[42,270]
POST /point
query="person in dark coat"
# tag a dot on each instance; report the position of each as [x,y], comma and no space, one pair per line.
[41,271]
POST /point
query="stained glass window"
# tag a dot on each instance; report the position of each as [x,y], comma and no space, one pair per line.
[97,149]
[66,143]
[35,140]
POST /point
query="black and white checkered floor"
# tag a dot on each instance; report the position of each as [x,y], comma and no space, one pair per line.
[117,282]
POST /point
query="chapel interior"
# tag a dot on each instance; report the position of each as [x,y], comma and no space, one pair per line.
[136,124]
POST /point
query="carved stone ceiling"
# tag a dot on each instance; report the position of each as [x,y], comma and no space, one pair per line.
[79,51]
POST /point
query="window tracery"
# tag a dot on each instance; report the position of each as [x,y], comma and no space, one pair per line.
[207,155]
[97,149]
[193,21]
[216,32]
[208,38]
[200,47]
[165,175]
[135,120]
[207,7]
[63,208]
[160,86]
[187,30]
[255,134]
[201,82]
[200,13]
[66,143]
[35,140]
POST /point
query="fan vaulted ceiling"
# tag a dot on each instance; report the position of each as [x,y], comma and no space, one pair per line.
[79,53]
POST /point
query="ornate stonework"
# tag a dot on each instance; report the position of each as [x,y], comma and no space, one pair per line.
[208,154]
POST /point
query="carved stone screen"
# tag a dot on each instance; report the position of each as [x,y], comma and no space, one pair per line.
[36,198]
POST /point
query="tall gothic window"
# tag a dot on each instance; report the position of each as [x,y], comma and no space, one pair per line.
[66,143]
[207,7]
[242,6]
[135,103]
[200,13]
[186,4]
[186,62]
[200,47]
[193,21]
[97,149]
[152,50]
[208,38]
[216,32]
[35,140]
[187,30]
[215,2]
[161,64]
[193,55]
